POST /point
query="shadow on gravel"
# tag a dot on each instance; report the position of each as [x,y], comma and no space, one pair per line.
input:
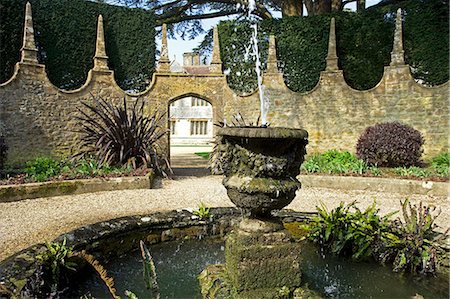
[181,172]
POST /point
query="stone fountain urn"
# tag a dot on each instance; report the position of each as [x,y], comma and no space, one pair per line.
[261,165]
[261,260]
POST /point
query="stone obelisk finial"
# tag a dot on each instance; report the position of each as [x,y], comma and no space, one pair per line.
[29,50]
[216,46]
[100,58]
[272,61]
[164,61]
[397,54]
[216,62]
[332,58]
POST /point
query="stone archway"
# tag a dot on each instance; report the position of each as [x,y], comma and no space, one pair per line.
[190,110]
[190,123]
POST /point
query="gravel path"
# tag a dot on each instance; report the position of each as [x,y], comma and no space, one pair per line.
[27,222]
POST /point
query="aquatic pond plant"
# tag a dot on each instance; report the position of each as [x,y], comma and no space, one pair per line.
[203,212]
[350,231]
[51,277]
[51,281]
[412,244]
[418,246]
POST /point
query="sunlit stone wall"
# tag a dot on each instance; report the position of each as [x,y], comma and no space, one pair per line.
[37,118]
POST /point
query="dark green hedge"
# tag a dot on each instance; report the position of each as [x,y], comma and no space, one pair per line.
[65,33]
[364,42]
[234,40]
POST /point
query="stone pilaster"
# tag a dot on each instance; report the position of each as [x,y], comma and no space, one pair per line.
[100,58]
[216,61]
[29,50]
[398,54]
[164,62]
[332,58]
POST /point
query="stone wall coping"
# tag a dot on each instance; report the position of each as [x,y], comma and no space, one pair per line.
[10,193]
[264,133]
[402,186]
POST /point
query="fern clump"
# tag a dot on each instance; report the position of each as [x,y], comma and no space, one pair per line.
[411,244]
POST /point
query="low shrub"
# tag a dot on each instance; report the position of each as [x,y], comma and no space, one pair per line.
[91,167]
[412,171]
[335,162]
[441,164]
[42,168]
[390,145]
[122,135]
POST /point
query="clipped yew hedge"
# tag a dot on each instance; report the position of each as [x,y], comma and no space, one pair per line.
[364,43]
[65,32]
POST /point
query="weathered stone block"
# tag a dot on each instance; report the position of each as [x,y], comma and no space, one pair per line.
[260,261]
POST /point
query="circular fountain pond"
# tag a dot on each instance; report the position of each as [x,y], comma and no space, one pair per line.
[178,263]
[182,246]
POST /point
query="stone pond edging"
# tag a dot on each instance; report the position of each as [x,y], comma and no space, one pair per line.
[116,236]
[9,193]
[390,185]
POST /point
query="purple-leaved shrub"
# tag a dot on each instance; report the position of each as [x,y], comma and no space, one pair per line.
[390,144]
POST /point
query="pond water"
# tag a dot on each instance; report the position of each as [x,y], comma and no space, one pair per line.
[179,262]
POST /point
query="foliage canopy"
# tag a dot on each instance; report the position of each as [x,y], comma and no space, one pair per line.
[364,43]
[65,34]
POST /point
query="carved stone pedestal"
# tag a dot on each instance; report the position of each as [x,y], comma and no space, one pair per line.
[262,261]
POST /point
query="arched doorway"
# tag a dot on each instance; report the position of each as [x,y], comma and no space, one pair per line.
[191,133]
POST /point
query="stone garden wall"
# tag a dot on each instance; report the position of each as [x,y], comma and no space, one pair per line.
[37,118]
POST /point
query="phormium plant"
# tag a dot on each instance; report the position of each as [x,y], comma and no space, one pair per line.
[122,135]
[390,145]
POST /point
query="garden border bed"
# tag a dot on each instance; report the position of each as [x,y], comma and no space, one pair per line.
[391,185]
[10,193]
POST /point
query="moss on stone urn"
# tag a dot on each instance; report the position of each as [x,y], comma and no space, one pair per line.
[261,165]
